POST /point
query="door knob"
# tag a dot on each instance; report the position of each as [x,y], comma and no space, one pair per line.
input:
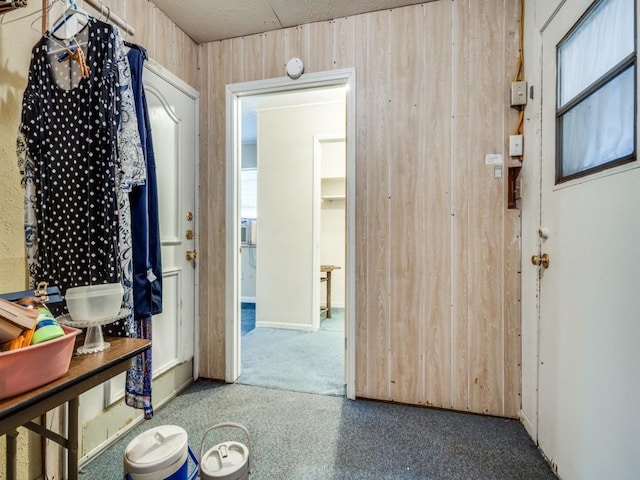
[543,260]
[192,254]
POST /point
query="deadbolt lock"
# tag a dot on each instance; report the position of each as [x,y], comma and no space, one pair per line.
[189,235]
[543,260]
[192,255]
[189,216]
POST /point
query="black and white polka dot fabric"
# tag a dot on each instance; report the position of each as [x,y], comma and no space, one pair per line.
[67,151]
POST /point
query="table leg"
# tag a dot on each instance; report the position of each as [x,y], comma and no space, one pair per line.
[11,439]
[329,294]
[72,438]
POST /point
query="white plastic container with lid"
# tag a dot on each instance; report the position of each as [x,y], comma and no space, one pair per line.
[94,302]
[159,454]
[229,460]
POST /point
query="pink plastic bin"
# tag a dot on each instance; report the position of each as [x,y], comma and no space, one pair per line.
[30,367]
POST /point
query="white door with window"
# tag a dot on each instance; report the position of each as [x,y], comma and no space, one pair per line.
[589,358]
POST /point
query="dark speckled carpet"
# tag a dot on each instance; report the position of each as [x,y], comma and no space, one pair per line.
[307,436]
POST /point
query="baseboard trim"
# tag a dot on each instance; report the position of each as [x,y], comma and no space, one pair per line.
[528,426]
[287,326]
[95,453]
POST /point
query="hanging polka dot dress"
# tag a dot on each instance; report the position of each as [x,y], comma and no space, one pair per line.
[68,155]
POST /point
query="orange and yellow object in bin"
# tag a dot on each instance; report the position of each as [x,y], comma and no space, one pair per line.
[45,329]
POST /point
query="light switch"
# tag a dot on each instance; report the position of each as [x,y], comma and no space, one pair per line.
[518,93]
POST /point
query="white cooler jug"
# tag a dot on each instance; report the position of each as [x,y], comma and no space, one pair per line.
[160,453]
[228,460]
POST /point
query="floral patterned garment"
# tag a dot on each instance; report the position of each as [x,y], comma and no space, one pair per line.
[132,172]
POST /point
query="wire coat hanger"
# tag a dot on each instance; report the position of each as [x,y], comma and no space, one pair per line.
[71,12]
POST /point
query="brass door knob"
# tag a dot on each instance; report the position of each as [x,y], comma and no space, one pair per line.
[543,260]
[192,254]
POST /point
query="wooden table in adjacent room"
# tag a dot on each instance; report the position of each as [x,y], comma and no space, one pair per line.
[327,269]
[85,372]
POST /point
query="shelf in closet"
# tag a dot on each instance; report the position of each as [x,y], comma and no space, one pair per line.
[333,197]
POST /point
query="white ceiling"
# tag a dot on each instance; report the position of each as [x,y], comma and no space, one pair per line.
[209,20]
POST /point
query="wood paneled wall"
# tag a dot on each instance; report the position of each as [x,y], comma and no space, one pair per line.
[438,318]
[165,42]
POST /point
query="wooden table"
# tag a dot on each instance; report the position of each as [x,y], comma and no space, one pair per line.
[327,269]
[85,372]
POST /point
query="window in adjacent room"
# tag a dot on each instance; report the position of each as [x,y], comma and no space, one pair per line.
[249,193]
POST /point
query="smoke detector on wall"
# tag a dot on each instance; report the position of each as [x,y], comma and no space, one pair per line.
[295,67]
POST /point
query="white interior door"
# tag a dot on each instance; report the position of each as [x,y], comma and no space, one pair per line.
[173,112]
[590,229]
[174,116]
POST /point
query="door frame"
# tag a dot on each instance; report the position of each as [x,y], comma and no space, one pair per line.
[318,140]
[343,77]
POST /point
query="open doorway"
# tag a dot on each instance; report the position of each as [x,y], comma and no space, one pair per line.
[282,239]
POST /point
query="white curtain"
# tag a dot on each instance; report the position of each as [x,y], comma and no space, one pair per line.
[604,38]
[600,128]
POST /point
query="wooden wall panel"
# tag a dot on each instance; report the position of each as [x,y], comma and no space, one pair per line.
[206,255]
[186,60]
[512,377]
[344,41]
[460,161]
[163,34]
[407,222]
[436,262]
[436,146]
[140,13]
[274,54]
[512,238]
[361,56]
[486,207]
[236,55]
[222,69]
[376,78]
[318,57]
[252,58]
[294,42]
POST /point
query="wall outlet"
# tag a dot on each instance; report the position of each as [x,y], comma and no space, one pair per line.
[518,94]
[515,145]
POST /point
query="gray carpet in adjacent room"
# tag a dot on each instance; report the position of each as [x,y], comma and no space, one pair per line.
[304,436]
[311,362]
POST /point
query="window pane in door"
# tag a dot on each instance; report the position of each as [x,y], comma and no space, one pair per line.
[599,42]
[600,129]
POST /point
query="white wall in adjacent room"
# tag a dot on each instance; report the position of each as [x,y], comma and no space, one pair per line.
[285,277]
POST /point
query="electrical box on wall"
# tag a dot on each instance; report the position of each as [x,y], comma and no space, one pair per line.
[515,145]
[518,94]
